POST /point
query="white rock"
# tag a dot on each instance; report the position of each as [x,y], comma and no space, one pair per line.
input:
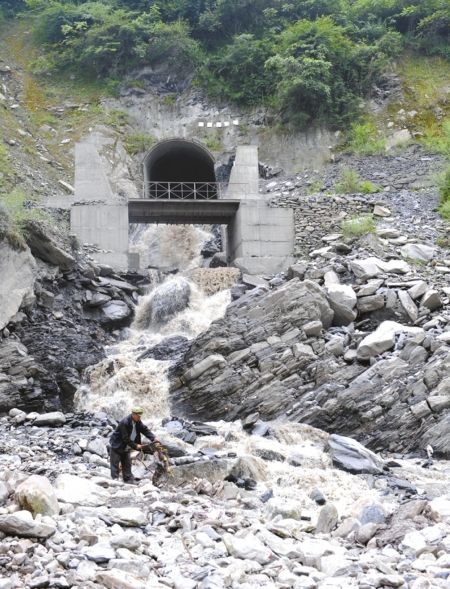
[414,541]
[440,507]
[21,523]
[383,339]
[37,495]
[312,550]
[248,548]
[418,251]
[372,267]
[4,493]
[53,419]
[18,271]
[380,211]
[79,491]
[128,516]
[100,552]
[117,579]
[97,447]
[335,565]
[129,540]
[432,300]
[419,289]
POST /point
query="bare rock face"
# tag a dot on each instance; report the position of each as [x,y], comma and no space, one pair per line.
[45,247]
[246,351]
[18,273]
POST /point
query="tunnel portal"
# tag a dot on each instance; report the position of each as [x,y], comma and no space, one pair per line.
[178,168]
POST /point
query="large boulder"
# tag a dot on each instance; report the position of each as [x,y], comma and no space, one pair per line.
[44,246]
[350,455]
[342,299]
[37,495]
[18,272]
[418,251]
[52,419]
[372,267]
[115,312]
[79,491]
[383,339]
[164,302]
[21,523]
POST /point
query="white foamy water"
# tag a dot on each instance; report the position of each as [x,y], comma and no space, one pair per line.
[169,246]
[176,307]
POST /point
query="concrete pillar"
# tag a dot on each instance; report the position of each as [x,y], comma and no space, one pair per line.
[97,216]
[104,226]
[91,181]
[244,177]
[260,239]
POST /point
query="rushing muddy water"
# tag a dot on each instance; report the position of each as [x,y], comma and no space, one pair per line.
[175,307]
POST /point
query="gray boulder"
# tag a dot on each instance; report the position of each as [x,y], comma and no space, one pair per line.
[115,312]
[164,302]
[342,299]
[383,339]
[21,523]
[45,247]
[418,251]
[54,418]
[352,456]
[18,271]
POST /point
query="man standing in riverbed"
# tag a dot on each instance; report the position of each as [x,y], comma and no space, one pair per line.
[127,437]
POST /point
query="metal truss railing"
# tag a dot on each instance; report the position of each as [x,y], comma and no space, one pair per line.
[184,190]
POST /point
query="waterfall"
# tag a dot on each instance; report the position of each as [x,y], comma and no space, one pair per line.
[177,308]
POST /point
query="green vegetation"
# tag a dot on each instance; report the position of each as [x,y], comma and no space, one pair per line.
[358,226]
[212,140]
[350,182]
[139,142]
[444,194]
[313,60]
[15,211]
[364,139]
[5,169]
[437,140]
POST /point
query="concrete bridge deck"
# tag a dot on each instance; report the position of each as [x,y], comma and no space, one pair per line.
[188,211]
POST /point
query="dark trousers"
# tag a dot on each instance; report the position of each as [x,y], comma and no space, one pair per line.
[120,458]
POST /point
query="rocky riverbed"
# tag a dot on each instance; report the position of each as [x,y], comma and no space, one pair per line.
[270,485]
[249,504]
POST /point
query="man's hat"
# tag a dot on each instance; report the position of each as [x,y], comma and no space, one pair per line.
[137,410]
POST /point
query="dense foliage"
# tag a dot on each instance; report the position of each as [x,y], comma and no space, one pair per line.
[314,59]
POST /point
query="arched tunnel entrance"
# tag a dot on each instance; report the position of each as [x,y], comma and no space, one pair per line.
[180,169]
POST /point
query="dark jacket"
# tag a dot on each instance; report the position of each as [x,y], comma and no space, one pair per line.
[120,437]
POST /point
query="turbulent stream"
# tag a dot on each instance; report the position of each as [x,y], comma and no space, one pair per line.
[175,308]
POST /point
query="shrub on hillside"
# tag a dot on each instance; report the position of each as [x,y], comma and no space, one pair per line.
[363,139]
[444,194]
[358,226]
[350,182]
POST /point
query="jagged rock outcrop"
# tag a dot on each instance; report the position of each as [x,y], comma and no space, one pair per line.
[17,272]
[264,357]
[58,310]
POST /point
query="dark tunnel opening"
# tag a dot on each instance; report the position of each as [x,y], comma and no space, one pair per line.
[178,168]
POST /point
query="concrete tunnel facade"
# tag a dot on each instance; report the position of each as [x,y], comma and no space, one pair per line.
[178,161]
